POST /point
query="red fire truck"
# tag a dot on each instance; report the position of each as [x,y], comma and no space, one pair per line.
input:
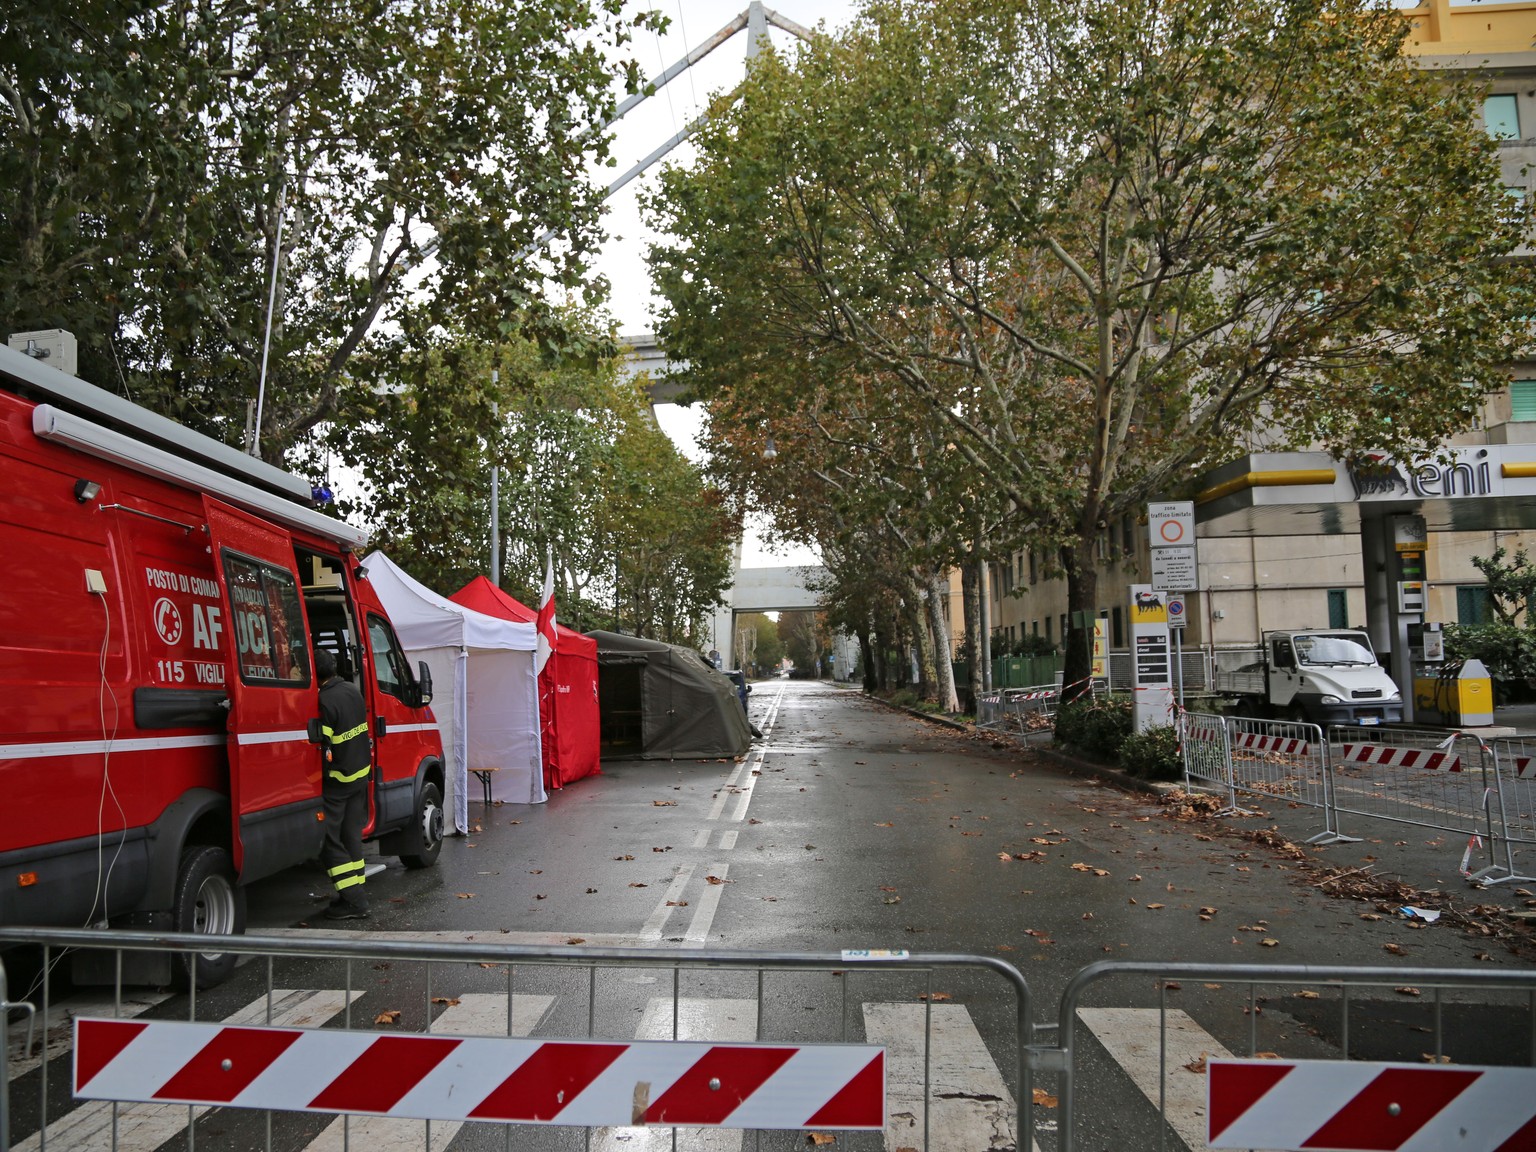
[163,597]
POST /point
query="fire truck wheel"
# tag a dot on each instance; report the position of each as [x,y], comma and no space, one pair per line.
[429,825]
[207,901]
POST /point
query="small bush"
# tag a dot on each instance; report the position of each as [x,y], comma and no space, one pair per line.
[1152,754]
[1097,727]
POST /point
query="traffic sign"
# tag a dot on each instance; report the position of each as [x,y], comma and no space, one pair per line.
[1177,617]
[1172,524]
[1175,569]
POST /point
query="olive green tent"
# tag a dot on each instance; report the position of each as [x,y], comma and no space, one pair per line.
[664,702]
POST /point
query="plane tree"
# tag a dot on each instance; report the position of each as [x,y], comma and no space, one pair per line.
[162,159]
[1105,243]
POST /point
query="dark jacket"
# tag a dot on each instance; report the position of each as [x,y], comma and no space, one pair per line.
[344,724]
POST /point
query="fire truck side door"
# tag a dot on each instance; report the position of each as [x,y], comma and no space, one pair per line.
[274,772]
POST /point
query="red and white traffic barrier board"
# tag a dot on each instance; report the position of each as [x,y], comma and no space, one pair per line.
[1258,742]
[428,1077]
[1344,1106]
[1386,756]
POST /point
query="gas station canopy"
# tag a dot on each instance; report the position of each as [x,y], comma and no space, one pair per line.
[1485,487]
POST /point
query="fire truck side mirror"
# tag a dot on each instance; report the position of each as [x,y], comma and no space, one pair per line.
[315,735]
[423,685]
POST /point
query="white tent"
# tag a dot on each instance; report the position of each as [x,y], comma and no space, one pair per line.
[485,691]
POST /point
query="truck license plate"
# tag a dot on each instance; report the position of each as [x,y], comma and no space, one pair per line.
[1370,720]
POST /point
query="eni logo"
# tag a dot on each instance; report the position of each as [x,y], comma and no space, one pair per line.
[167,621]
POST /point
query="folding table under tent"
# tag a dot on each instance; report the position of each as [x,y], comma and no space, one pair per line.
[485,692]
[567,687]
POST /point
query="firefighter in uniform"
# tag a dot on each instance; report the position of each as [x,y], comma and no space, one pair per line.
[348,760]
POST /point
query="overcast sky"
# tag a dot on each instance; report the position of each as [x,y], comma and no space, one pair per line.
[649,126]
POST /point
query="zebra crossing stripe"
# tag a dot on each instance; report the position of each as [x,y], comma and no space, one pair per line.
[59,1029]
[144,1127]
[1155,1056]
[967,1105]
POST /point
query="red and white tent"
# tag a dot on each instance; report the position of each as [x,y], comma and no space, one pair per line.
[568,712]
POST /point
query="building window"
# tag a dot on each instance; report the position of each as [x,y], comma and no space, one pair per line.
[1472,604]
[1338,608]
[1048,630]
[1116,628]
[1034,575]
[1522,400]
[1501,116]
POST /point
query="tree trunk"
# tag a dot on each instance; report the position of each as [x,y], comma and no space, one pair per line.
[974,649]
[922,634]
[944,683]
[867,650]
[1082,605]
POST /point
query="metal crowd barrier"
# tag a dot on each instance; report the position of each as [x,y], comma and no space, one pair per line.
[1457,782]
[1515,773]
[1292,1020]
[1018,711]
[189,1068]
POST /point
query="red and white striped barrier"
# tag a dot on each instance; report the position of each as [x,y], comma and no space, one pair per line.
[1257,742]
[1386,756]
[1344,1106]
[1524,767]
[428,1077]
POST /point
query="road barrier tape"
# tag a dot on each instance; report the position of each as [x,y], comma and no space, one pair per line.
[431,1077]
[1385,756]
[1257,742]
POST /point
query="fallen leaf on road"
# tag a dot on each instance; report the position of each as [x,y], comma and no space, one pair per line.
[717,880]
[1268,942]
[753,820]
[637,884]
[1307,994]
[1043,1099]
[1156,905]
[668,848]
[623,857]
[445,1000]
[1197,1066]
[591,891]
[1407,991]
[887,888]
[817,1139]
[934,996]
[1369,916]
[390,1017]
[677,903]
[1207,911]
[893,899]
[466,895]
[1135,878]
[885,824]
[539,896]
[1395,949]
[664,803]
[577,940]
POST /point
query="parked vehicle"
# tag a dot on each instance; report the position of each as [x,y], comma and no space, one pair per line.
[1326,676]
[163,599]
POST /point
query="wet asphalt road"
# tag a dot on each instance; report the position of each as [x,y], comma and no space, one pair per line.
[853,826]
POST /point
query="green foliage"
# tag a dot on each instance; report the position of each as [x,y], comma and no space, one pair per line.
[1011,269]
[1506,644]
[583,472]
[410,153]
[1152,754]
[1097,727]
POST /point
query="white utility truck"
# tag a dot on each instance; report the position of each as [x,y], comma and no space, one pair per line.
[1324,676]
